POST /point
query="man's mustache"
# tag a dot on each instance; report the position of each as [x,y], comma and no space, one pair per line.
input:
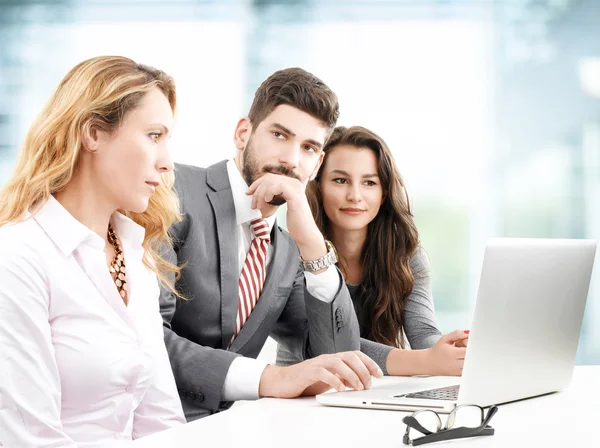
[280,169]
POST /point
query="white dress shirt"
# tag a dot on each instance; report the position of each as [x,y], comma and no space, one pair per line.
[77,366]
[243,378]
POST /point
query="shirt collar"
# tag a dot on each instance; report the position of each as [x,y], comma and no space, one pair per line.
[241,201]
[68,233]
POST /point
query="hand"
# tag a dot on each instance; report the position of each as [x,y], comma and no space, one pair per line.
[317,375]
[463,342]
[300,222]
[447,357]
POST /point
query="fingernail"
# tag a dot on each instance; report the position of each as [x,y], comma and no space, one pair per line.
[369,384]
[379,371]
[467,331]
[341,388]
[360,386]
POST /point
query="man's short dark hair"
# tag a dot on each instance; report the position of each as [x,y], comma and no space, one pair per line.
[298,88]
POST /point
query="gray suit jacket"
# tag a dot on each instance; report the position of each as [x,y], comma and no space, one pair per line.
[198,331]
[418,318]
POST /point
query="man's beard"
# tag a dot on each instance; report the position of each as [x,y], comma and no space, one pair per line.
[251,172]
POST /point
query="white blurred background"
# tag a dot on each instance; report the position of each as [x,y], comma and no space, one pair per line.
[491,107]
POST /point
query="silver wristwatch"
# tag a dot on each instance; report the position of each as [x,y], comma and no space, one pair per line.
[324,262]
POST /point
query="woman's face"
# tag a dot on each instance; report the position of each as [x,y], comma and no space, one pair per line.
[128,163]
[350,186]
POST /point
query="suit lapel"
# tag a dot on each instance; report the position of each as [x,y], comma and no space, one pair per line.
[268,294]
[223,207]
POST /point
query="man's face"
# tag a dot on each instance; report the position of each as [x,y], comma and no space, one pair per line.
[287,142]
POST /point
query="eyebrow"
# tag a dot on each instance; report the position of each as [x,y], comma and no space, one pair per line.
[285,130]
[345,173]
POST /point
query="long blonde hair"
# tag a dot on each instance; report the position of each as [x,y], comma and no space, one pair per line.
[97,93]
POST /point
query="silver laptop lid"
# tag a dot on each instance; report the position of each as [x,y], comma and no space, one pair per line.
[527,319]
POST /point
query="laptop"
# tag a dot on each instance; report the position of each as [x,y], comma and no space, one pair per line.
[524,334]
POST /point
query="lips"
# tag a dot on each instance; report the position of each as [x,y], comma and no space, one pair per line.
[153,185]
[352,211]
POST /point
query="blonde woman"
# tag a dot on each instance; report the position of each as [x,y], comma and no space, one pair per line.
[82,357]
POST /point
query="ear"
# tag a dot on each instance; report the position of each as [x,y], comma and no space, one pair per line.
[92,137]
[89,138]
[242,133]
[318,166]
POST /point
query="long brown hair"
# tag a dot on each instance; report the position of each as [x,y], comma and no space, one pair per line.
[392,238]
[98,92]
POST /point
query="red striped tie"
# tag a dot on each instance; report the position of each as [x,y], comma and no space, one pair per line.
[253,273]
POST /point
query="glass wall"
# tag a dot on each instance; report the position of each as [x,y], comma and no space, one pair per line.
[492,108]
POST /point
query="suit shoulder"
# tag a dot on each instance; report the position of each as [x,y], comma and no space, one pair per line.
[286,235]
[189,181]
[287,239]
[189,172]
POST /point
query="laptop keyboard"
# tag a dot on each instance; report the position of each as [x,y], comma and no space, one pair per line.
[449,393]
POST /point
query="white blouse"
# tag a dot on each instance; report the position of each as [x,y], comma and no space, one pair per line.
[77,366]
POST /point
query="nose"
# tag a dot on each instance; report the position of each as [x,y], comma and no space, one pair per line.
[290,157]
[354,193]
[164,163]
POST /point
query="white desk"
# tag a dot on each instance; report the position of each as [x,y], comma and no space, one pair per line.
[570,418]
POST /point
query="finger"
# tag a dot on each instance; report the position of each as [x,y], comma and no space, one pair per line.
[346,383]
[330,379]
[358,367]
[256,187]
[454,336]
[462,343]
[336,364]
[254,200]
[258,201]
[252,188]
[273,190]
[371,365]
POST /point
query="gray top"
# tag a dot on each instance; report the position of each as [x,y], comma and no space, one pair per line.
[419,317]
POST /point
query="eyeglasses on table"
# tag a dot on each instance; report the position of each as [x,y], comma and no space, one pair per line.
[466,420]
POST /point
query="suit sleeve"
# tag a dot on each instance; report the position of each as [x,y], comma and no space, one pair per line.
[374,350]
[309,327]
[199,371]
